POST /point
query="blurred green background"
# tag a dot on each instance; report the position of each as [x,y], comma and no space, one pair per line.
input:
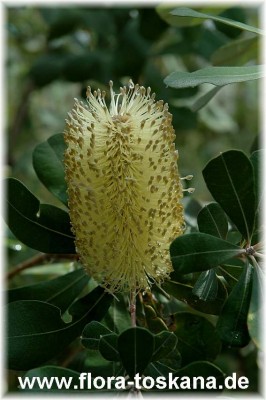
[54,53]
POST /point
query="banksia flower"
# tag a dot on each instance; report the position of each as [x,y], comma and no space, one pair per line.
[124,187]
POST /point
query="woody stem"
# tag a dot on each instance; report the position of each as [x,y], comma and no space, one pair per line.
[132,308]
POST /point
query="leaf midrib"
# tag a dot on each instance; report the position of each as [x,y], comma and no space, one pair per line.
[38,224]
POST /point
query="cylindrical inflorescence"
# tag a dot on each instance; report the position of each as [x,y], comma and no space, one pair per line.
[124,187]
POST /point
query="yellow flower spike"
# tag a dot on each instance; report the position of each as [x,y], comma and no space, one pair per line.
[124,187]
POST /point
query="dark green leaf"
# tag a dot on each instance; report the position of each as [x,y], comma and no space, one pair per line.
[108,347]
[231,272]
[92,334]
[117,318]
[232,323]
[36,329]
[197,339]
[184,293]
[49,371]
[257,162]
[188,12]
[156,369]
[212,220]
[218,76]
[255,315]
[197,252]
[60,292]
[43,227]
[229,178]
[206,287]
[48,162]
[206,370]
[135,346]
[165,342]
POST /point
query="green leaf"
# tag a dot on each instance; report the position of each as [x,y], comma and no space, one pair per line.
[232,323]
[165,13]
[135,346]
[47,373]
[218,76]
[255,315]
[231,271]
[212,220]
[117,318]
[184,293]
[236,52]
[197,339]
[48,162]
[205,370]
[60,292]
[206,287]
[36,329]
[156,369]
[92,334]
[108,347]
[41,226]
[196,252]
[229,178]
[204,99]
[257,162]
[188,12]
[165,342]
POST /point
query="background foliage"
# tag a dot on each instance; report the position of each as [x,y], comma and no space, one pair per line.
[52,55]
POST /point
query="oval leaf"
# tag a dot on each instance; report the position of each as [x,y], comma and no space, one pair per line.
[48,162]
[197,339]
[165,343]
[205,370]
[35,328]
[212,220]
[60,292]
[92,334]
[232,323]
[41,226]
[206,287]
[229,178]
[184,293]
[197,252]
[108,347]
[218,76]
[135,346]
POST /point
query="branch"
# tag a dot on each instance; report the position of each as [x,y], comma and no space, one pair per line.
[38,259]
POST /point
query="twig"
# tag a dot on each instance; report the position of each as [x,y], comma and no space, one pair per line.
[132,308]
[36,260]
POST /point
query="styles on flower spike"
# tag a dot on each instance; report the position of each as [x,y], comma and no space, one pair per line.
[124,187]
